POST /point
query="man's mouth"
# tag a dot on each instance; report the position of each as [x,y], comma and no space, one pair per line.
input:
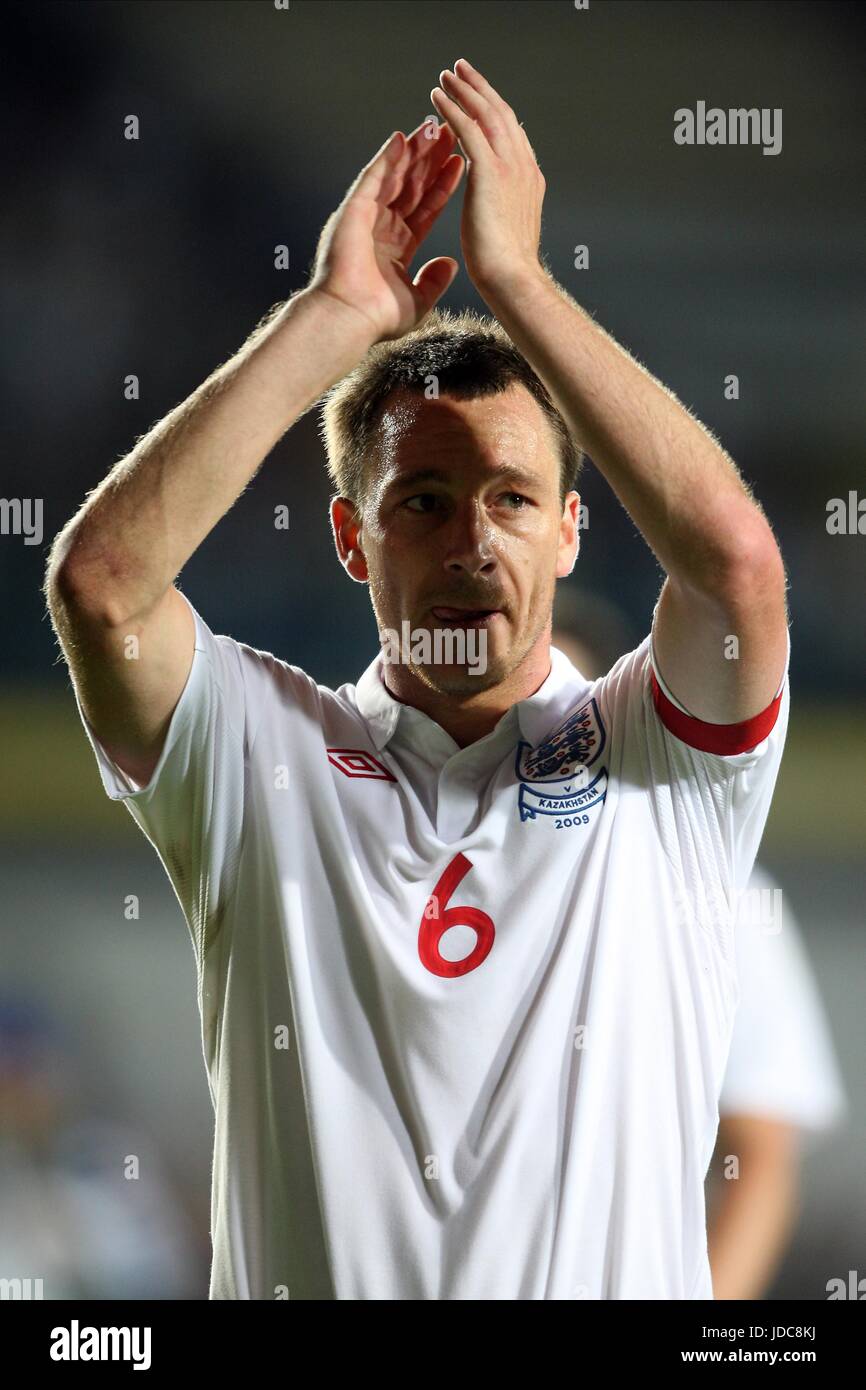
[466,617]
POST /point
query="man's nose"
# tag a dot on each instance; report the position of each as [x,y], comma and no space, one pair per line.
[470,547]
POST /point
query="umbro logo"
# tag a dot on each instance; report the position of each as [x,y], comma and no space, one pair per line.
[357,762]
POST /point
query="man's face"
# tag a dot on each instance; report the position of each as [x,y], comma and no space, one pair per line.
[463,527]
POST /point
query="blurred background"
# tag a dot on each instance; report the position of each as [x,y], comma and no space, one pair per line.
[155,257]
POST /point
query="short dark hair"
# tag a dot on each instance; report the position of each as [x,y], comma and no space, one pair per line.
[469,354]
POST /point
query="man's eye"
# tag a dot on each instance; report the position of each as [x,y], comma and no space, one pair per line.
[421,497]
[519,498]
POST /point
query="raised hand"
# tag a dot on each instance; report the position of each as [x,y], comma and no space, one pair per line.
[368,243]
[501,223]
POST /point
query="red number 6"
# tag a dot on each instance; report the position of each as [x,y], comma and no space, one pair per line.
[437,918]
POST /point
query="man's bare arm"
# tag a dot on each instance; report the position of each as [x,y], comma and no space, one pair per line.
[752,1216]
[119,554]
[725,575]
[111,571]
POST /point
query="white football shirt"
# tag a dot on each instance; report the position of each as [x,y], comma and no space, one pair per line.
[782,1063]
[465,1012]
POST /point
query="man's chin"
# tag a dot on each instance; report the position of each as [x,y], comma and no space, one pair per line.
[463,678]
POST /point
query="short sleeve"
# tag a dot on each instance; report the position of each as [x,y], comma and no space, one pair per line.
[193,808]
[782,1062]
[710,786]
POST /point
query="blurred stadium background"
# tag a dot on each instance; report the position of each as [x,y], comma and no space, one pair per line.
[155,257]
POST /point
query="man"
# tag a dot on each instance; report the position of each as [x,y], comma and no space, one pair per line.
[782,1092]
[782,1087]
[459,1041]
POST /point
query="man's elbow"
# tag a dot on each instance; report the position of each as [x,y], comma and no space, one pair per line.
[73,584]
[754,571]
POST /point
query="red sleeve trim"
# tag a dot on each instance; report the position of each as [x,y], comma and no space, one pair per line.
[726,739]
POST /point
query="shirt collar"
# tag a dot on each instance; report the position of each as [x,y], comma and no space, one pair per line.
[537,715]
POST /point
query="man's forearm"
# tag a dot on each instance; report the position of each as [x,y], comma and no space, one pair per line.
[751,1225]
[138,528]
[679,486]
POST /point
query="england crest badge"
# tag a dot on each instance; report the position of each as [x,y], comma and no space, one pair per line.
[562,775]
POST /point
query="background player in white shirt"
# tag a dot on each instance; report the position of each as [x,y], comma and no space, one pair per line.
[782,1089]
[464,943]
[782,1085]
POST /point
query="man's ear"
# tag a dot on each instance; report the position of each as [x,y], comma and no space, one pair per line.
[569,536]
[346,526]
